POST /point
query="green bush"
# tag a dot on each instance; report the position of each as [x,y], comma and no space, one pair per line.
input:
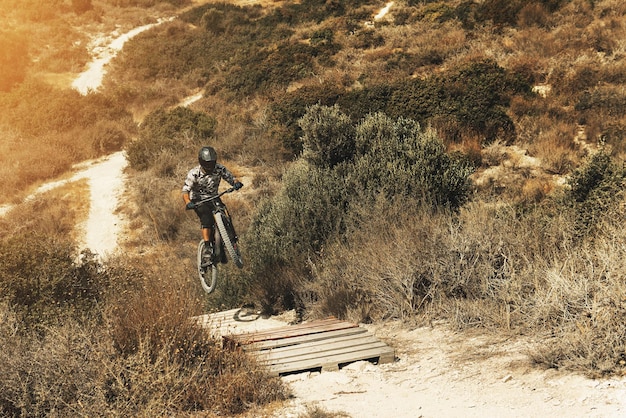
[328,136]
[290,229]
[596,190]
[398,158]
[288,108]
[107,137]
[473,99]
[344,168]
[261,69]
[297,222]
[506,12]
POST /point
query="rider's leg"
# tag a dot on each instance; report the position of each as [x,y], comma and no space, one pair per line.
[206,235]
[206,222]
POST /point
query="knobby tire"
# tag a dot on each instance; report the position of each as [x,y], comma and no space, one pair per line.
[208,275]
[228,238]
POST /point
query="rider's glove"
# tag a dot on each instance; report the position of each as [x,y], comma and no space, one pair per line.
[190,205]
[238,185]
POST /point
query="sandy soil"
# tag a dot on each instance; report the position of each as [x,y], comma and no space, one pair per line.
[441,373]
[104,226]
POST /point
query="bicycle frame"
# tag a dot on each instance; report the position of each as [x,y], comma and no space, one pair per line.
[224,236]
[217,206]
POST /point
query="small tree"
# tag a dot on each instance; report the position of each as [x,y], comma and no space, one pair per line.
[398,158]
[328,136]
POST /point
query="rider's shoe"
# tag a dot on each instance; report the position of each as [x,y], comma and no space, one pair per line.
[207,254]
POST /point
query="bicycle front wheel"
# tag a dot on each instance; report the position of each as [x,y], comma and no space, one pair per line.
[227,232]
[207,271]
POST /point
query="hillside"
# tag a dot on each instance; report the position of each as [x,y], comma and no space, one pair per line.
[406,163]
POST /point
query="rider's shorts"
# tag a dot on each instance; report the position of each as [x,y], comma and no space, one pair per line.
[205,214]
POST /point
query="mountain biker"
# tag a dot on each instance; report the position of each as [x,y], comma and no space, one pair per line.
[203,182]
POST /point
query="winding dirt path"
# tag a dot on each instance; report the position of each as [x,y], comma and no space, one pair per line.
[103,49]
[104,225]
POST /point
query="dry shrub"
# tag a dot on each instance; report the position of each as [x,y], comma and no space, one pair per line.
[493,267]
[153,326]
[533,14]
[479,313]
[75,370]
[55,213]
[159,201]
[554,146]
[408,263]
[158,312]
[581,300]
[49,376]
[23,166]
[140,354]
[494,154]
[470,148]
[535,190]
[107,137]
[536,44]
[602,37]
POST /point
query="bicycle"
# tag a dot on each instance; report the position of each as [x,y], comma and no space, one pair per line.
[225,236]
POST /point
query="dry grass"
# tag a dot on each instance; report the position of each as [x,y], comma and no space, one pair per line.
[490,268]
[137,353]
[57,213]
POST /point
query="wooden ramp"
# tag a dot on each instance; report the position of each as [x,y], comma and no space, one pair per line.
[325,345]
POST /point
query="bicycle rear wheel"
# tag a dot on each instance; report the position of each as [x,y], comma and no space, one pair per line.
[227,232]
[207,270]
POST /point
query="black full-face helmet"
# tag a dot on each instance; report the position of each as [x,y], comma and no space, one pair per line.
[207,157]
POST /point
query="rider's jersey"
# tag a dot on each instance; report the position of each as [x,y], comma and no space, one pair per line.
[201,185]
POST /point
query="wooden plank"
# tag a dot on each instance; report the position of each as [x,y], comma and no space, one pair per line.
[287,332]
[323,344]
[338,345]
[332,362]
[302,339]
[337,350]
[304,326]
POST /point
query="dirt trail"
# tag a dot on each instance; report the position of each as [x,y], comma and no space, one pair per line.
[103,227]
[442,374]
[103,49]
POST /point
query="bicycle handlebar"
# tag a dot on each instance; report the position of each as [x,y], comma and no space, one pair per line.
[200,202]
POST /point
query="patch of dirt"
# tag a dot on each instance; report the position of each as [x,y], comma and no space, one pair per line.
[441,373]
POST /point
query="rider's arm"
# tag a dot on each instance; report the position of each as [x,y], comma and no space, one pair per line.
[188,186]
[226,174]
